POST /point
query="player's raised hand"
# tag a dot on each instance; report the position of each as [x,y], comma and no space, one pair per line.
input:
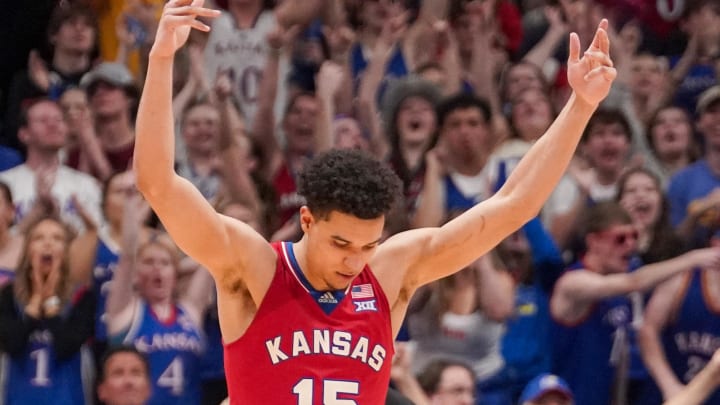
[591,76]
[178,17]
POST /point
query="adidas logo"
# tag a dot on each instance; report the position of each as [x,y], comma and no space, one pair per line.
[327,298]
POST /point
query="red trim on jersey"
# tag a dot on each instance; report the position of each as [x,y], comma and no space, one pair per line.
[171,319]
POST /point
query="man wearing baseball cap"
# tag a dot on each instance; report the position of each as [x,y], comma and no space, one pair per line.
[112,95]
[546,389]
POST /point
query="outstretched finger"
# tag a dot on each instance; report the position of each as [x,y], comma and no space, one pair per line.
[184,20]
[601,41]
[194,11]
[574,48]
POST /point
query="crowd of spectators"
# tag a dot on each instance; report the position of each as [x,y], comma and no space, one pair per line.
[610,295]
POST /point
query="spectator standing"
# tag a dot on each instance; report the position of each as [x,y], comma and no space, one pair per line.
[46,324]
[72,35]
[42,179]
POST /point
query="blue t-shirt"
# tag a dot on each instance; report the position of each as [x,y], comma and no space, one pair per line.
[689,184]
[9,158]
[699,78]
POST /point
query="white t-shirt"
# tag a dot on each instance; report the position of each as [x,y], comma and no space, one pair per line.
[243,52]
[68,182]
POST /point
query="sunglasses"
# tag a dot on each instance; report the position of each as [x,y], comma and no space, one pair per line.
[620,238]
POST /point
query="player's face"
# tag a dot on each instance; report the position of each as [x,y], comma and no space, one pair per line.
[456,387]
[339,247]
[156,273]
[126,381]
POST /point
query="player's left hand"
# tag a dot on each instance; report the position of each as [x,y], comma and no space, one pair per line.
[592,75]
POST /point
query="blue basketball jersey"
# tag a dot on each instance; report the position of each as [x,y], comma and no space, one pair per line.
[38,377]
[456,200]
[582,351]
[174,349]
[106,259]
[692,339]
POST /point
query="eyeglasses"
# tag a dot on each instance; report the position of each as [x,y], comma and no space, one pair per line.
[620,238]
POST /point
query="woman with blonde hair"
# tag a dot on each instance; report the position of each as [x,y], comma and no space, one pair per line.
[46,323]
[146,310]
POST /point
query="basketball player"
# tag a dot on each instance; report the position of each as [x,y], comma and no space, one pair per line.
[313,322]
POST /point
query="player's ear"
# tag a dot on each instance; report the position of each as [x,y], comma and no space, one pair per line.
[306,218]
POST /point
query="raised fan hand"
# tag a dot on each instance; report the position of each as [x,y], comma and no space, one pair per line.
[592,75]
[178,17]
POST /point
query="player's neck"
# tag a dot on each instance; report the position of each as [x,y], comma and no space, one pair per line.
[300,252]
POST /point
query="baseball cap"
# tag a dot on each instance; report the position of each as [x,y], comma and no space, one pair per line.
[110,72]
[544,384]
[708,97]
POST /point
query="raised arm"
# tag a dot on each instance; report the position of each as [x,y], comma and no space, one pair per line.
[234,148]
[578,288]
[211,239]
[121,298]
[496,288]
[329,80]
[197,297]
[301,13]
[263,129]
[435,253]
[658,312]
[701,386]
[371,80]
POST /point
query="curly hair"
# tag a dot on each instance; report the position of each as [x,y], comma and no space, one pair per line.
[348,181]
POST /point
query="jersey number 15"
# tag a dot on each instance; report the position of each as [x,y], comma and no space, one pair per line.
[331,390]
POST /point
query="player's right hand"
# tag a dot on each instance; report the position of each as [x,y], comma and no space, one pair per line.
[178,17]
